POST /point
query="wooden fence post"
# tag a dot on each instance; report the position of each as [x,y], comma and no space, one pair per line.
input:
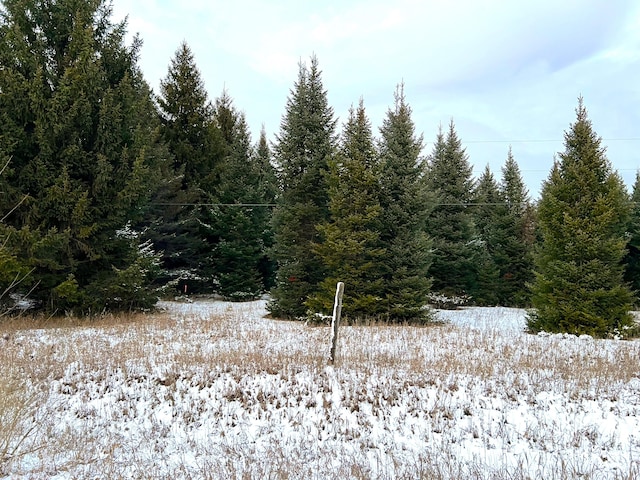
[335,321]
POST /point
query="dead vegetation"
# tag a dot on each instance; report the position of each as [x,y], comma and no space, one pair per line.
[225,393]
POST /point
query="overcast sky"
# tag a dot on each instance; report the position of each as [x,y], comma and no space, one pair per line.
[506,72]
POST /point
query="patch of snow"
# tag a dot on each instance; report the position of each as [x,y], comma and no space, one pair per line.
[188,408]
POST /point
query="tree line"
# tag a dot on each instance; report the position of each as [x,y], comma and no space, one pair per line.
[113,196]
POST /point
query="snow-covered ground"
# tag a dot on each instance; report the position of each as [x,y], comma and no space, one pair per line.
[215,390]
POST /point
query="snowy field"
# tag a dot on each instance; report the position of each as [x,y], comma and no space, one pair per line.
[213,390]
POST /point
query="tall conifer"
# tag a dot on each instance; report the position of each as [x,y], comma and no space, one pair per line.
[351,238]
[269,192]
[583,213]
[489,210]
[456,249]
[515,255]
[189,131]
[405,207]
[303,149]
[239,217]
[79,125]
[504,222]
[632,258]
[187,119]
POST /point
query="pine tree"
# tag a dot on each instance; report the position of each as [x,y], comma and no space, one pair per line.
[583,211]
[79,125]
[632,259]
[189,131]
[351,247]
[405,207]
[514,257]
[303,149]
[239,219]
[451,225]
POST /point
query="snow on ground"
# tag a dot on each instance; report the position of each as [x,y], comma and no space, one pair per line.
[219,391]
[509,321]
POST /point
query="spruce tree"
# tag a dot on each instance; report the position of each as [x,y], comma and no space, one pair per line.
[302,152]
[405,207]
[79,126]
[239,218]
[351,238]
[489,210]
[514,257]
[503,219]
[190,133]
[456,245]
[14,271]
[632,259]
[583,211]
[269,191]
[187,119]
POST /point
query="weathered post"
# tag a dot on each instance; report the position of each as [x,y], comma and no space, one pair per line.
[335,321]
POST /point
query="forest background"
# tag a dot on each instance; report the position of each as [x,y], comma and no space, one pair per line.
[114,195]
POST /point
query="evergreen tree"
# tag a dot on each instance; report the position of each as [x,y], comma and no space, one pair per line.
[79,125]
[269,191]
[304,146]
[456,245]
[632,259]
[351,247]
[405,206]
[189,131]
[239,218]
[583,211]
[503,220]
[187,120]
[13,270]
[514,256]
[489,212]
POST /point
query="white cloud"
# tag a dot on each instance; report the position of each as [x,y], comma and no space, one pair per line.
[503,70]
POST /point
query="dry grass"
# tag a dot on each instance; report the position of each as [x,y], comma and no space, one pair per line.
[224,340]
[11,324]
[19,419]
[443,351]
[379,367]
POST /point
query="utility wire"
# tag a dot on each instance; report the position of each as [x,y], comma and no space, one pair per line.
[626,139]
[470,204]
[214,204]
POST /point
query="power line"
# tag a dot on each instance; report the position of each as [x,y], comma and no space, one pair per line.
[548,140]
[470,204]
[478,204]
[523,170]
[214,204]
